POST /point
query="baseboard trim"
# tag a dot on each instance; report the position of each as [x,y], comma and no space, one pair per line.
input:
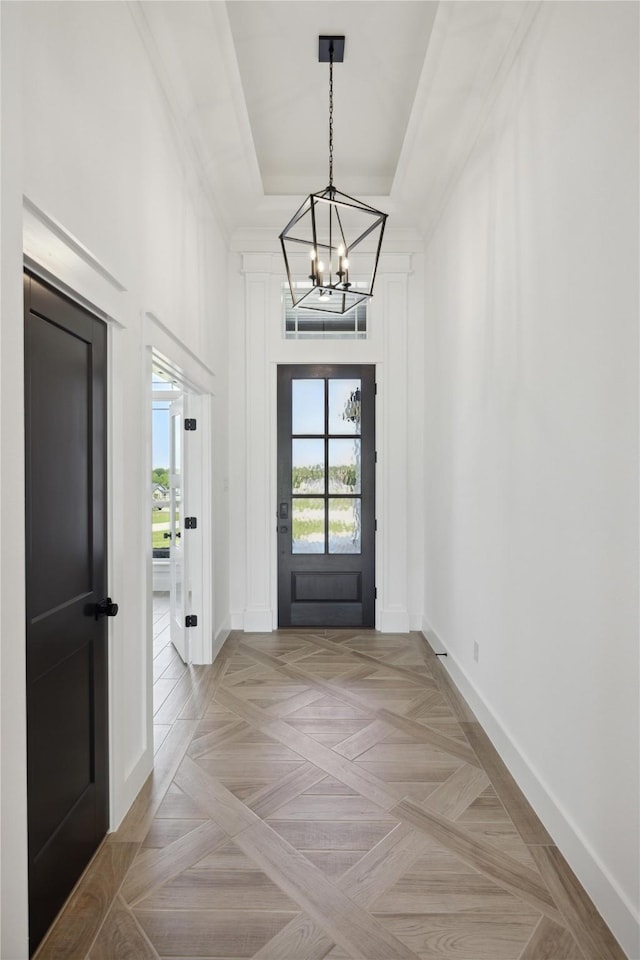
[131,787]
[218,641]
[258,621]
[394,621]
[612,903]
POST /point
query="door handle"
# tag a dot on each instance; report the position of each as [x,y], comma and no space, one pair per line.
[106,608]
[284,511]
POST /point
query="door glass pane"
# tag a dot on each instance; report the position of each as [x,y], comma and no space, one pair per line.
[344,466]
[344,525]
[160,478]
[176,423]
[307,406]
[176,513]
[307,466]
[307,525]
[344,406]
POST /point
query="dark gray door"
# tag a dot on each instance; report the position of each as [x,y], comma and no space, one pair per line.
[326,496]
[65,408]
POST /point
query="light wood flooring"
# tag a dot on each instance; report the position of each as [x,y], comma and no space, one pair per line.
[325,795]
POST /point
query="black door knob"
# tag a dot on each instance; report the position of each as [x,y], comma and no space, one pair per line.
[106,608]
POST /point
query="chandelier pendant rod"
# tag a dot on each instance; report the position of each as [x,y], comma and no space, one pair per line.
[330,161]
[331,116]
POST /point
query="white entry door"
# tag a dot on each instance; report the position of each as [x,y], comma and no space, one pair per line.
[177,552]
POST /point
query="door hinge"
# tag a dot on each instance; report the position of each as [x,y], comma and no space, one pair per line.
[190,523]
[190,423]
[375,389]
[375,593]
[376,456]
[191,620]
[375,525]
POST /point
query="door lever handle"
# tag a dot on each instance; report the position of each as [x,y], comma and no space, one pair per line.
[106,608]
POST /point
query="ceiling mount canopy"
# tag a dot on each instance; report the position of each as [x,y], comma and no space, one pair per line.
[332,243]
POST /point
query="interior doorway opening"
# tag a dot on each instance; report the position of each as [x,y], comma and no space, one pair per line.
[179,488]
[168,477]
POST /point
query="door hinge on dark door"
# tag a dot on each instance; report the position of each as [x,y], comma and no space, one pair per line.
[375,593]
[190,423]
[190,523]
[191,620]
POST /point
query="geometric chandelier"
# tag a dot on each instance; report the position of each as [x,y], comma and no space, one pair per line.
[331,245]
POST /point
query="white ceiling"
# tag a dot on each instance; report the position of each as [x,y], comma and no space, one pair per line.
[250,98]
[286,88]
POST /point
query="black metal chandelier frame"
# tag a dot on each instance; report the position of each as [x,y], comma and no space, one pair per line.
[330,289]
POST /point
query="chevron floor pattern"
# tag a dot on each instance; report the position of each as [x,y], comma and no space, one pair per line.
[325,796]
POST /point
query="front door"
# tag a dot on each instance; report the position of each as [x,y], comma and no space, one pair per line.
[66,571]
[326,496]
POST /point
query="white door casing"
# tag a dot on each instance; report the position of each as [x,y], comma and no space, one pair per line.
[177,551]
[256,348]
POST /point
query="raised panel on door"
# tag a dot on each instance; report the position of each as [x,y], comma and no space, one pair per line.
[326,496]
[65,445]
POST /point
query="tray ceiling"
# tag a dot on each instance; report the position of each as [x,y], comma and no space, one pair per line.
[250,99]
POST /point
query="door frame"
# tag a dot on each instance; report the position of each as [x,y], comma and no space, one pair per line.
[50,252]
[366,375]
[179,553]
[196,386]
[256,347]
[89,813]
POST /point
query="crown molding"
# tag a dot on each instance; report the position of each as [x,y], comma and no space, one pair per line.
[265,240]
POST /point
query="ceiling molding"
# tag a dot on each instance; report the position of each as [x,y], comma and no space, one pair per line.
[184,144]
[192,48]
[473,47]
[265,240]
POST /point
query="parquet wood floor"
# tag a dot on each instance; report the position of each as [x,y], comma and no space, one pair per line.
[326,796]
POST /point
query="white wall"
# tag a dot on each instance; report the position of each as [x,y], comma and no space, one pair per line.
[13,814]
[532,437]
[115,209]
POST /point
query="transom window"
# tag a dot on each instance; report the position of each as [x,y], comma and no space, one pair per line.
[301,324]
